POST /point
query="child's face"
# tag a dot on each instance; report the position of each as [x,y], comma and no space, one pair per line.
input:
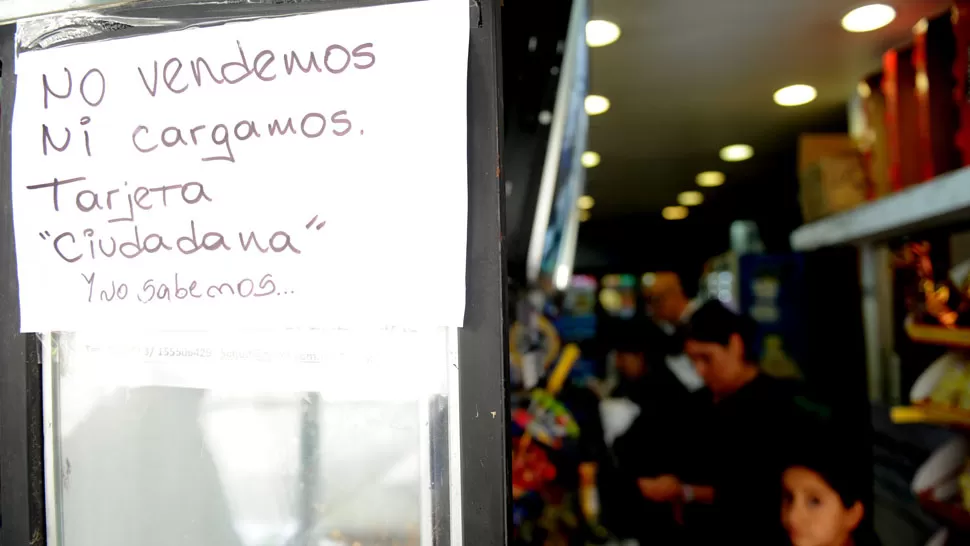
[813,513]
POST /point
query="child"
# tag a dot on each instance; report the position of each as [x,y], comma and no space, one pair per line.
[821,503]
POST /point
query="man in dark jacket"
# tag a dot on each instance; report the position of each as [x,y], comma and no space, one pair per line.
[649,446]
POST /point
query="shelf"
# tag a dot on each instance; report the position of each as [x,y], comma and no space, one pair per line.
[905,415]
[938,335]
[936,203]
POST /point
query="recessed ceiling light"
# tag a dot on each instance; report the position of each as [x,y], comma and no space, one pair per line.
[868,18]
[590,159]
[585,202]
[675,213]
[600,33]
[584,215]
[710,179]
[596,104]
[795,95]
[690,198]
[736,152]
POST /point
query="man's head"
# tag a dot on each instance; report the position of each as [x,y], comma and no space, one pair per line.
[665,297]
[629,344]
[720,344]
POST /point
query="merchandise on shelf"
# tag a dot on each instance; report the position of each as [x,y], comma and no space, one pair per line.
[934,52]
[618,296]
[961,73]
[577,320]
[547,420]
[771,288]
[588,494]
[868,131]
[830,175]
[554,480]
[531,469]
[532,343]
[941,483]
[899,87]
[929,298]
[965,486]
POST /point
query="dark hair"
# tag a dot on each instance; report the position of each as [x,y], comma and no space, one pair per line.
[715,323]
[822,454]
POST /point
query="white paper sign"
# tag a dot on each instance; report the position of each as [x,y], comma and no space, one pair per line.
[290,172]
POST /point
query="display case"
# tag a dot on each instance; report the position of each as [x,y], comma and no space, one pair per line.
[367,428]
[912,249]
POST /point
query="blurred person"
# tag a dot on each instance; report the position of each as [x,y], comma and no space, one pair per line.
[728,488]
[648,446]
[671,309]
[822,499]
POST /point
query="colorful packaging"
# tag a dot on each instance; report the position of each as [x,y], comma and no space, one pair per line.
[899,87]
[830,175]
[951,389]
[934,52]
[867,129]
[965,487]
[960,18]
[589,497]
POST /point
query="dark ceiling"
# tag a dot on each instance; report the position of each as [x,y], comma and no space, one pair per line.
[686,78]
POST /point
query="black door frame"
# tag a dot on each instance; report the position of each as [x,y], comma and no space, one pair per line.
[482,342]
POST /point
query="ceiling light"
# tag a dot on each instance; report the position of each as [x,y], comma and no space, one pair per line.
[736,152]
[584,215]
[710,179]
[690,198]
[600,33]
[596,104]
[795,95]
[545,117]
[585,202]
[590,159]
[868,18]
[674,213]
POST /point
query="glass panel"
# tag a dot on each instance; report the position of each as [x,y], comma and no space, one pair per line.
[257,439]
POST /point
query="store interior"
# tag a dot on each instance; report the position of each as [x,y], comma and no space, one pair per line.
[802,162]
